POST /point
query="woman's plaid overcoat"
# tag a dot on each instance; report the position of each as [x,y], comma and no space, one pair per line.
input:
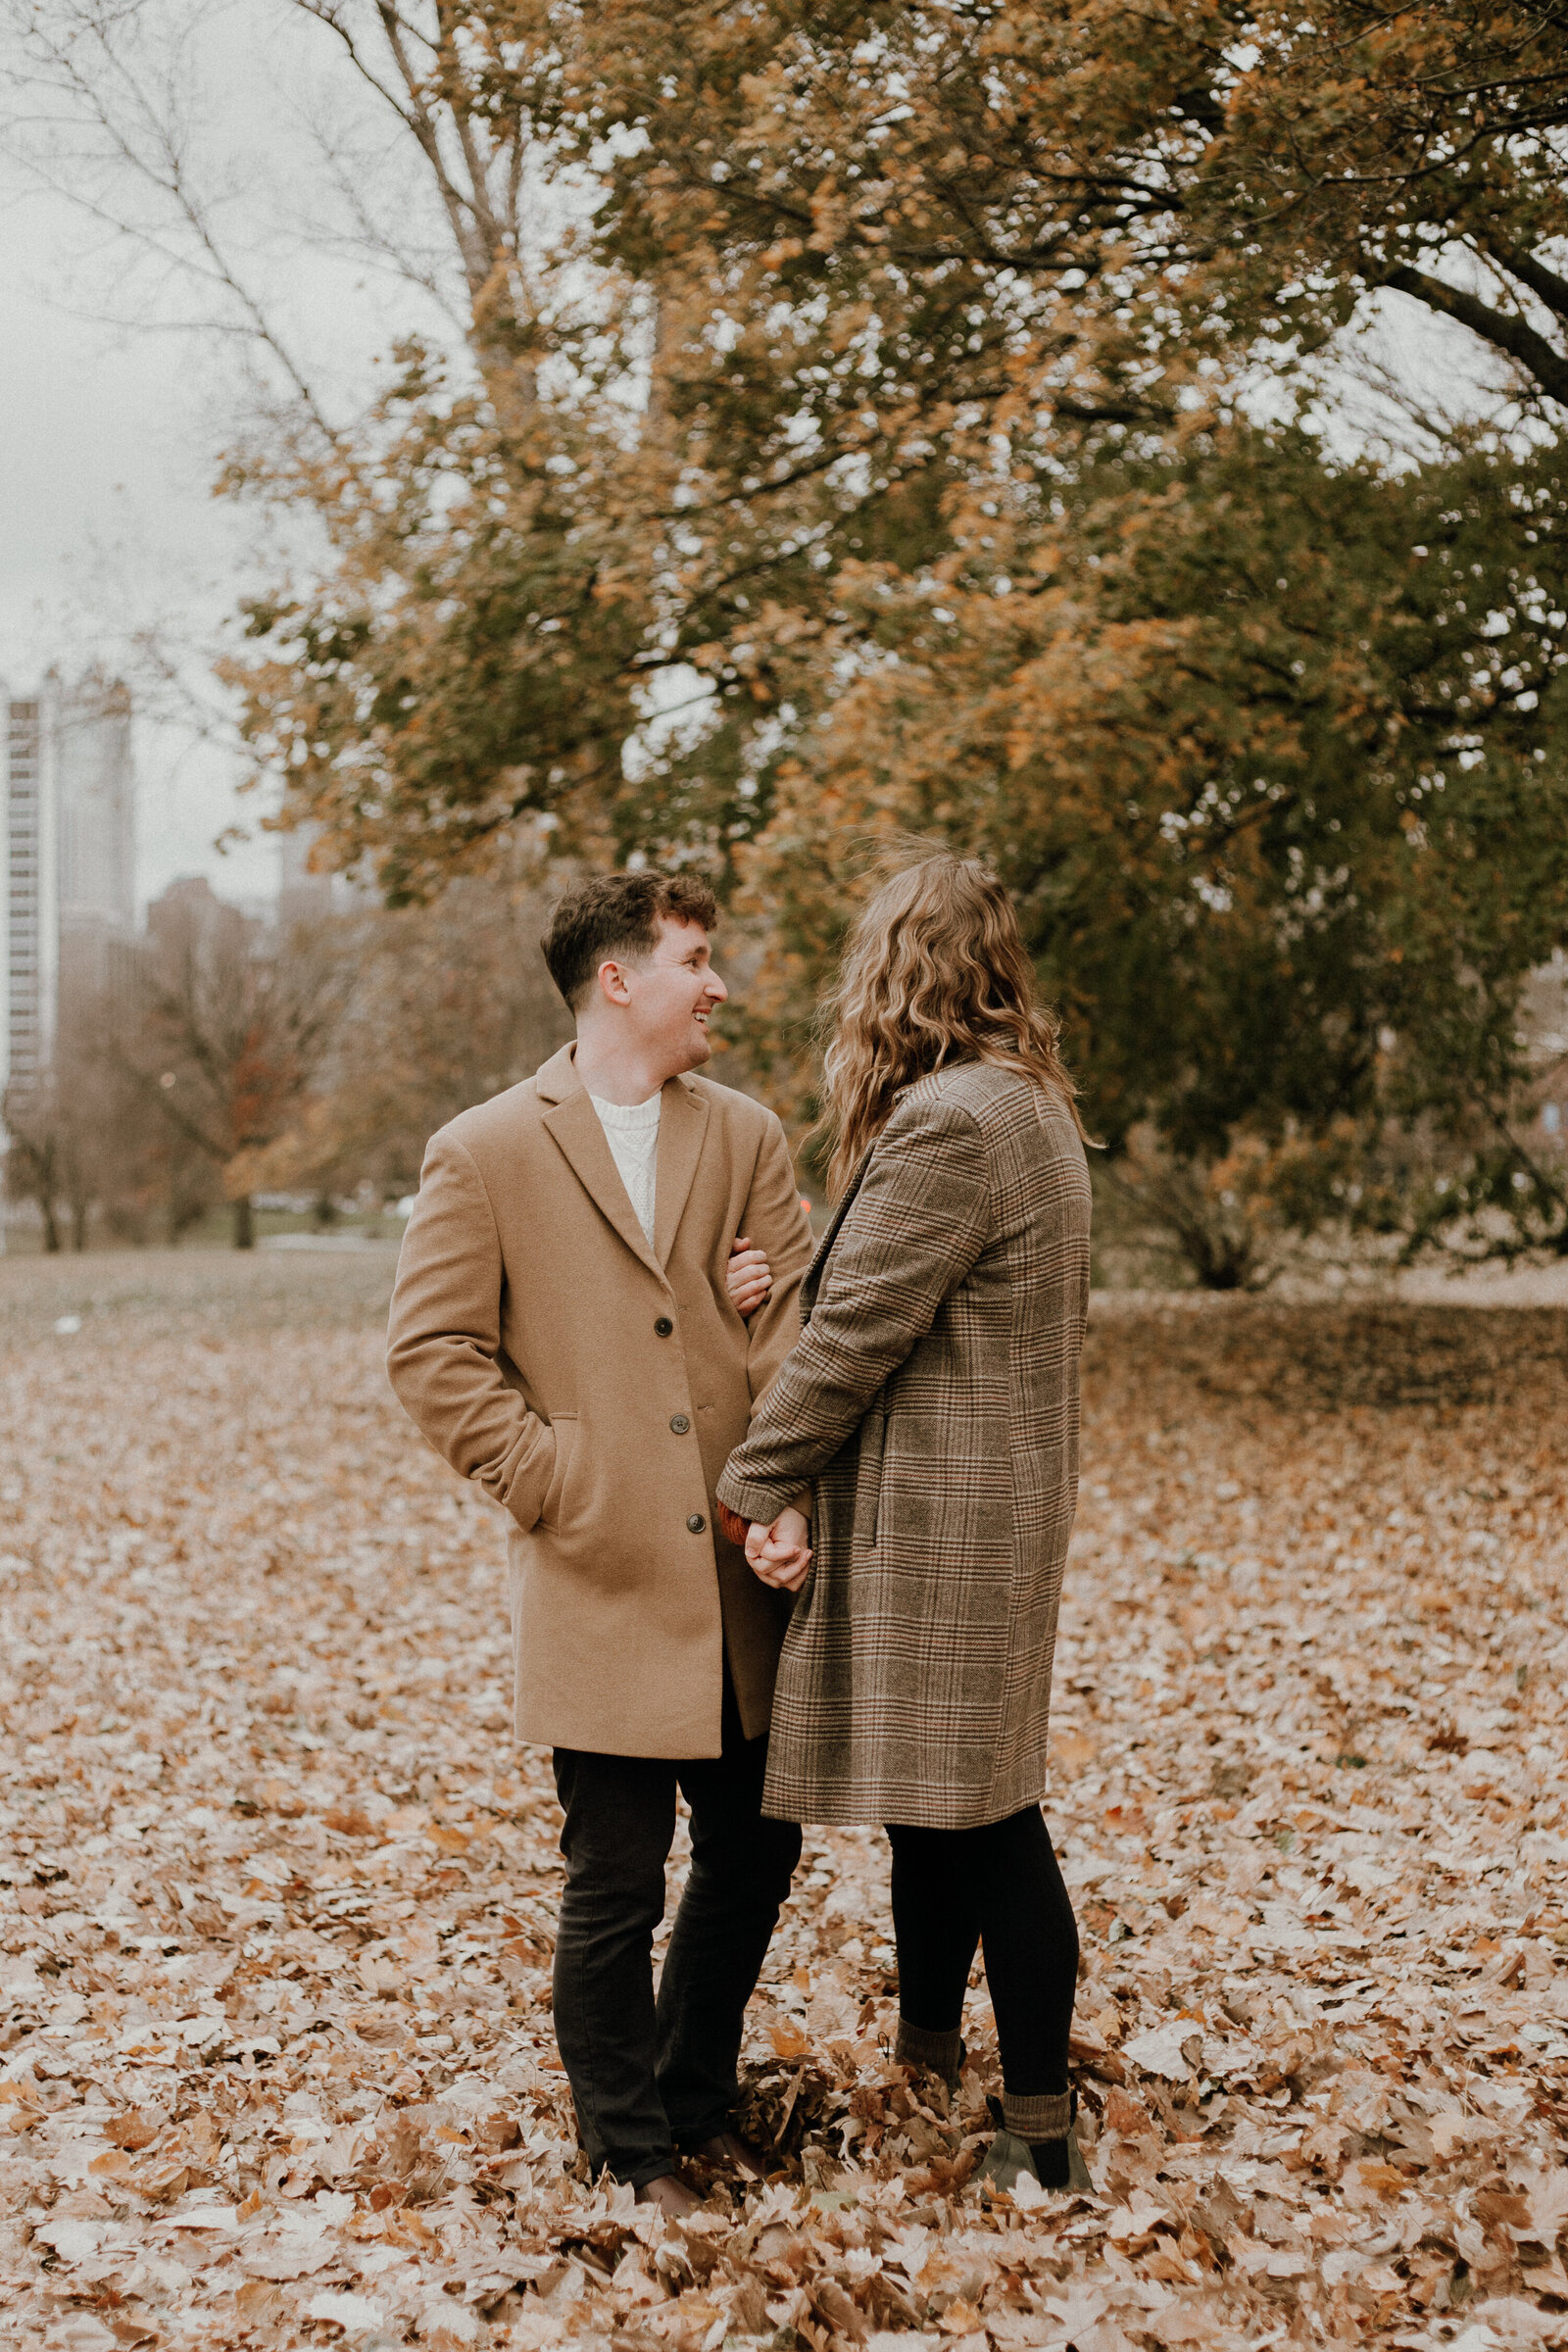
[931,1405]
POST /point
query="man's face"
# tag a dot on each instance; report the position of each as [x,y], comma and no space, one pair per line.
[669,995]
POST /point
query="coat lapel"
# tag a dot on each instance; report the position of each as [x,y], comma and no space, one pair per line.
[682,1125]
[573,1123]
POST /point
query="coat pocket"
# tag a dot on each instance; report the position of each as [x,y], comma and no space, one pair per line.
[565,1427]
[868,1475]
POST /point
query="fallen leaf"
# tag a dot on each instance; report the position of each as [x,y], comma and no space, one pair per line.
[328,2048]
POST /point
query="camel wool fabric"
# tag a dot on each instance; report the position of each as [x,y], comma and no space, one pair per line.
[592,1381]
[931,1404]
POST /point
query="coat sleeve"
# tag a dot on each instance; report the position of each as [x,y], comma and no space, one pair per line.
[777,1224]
[920,1221]
[444,1339]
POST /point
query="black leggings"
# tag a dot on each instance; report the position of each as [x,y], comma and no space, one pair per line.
[953,1889]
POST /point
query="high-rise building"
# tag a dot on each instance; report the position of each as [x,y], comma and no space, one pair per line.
[31,968]
[68,797]
[96,820]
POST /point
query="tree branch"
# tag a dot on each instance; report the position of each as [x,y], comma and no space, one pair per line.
[1544,283]
[1521,342]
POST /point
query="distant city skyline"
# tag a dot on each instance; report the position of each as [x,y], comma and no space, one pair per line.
[251,875]
[67,793]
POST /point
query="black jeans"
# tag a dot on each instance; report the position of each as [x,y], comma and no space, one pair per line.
[649,2076]
[953,1889]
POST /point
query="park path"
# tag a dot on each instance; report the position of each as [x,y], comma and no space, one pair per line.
[275,1889]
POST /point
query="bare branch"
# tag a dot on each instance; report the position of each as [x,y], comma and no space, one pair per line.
[144,135]
[1515,336]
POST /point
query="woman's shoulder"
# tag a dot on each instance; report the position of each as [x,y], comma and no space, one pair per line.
[1007,1110]
[984,1090]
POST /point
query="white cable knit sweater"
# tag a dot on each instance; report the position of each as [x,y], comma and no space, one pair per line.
[631,1131]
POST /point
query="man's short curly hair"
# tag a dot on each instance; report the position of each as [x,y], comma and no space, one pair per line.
[618,916]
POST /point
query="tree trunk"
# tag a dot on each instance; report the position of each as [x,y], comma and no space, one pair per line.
[244,1223]
[51,1225]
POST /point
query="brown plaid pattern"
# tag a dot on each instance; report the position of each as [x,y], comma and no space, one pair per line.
[931,1403]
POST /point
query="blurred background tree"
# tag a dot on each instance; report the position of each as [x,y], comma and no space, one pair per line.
[84,1144]
[224,1031]
[447,1005]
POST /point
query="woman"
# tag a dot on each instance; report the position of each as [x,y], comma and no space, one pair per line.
[931,1409]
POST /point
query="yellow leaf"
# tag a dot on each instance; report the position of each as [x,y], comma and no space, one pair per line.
[134,2129]
[1386,2178]
[163,2180]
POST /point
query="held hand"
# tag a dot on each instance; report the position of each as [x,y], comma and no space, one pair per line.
[781,1554]
[748,1278]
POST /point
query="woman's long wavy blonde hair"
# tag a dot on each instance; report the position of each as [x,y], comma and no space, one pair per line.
[934,973]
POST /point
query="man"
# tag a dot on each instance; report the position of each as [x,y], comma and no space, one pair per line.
[561,1332]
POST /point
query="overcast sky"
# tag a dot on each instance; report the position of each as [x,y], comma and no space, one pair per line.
[105,463]
[112,434]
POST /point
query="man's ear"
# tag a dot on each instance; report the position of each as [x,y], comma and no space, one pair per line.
[610,979]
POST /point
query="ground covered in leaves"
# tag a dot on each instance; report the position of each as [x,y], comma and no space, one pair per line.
[277,1892]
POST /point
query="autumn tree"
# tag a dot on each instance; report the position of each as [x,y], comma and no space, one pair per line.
[851,266]
[447,1005]
[1417,153]
[740,300]
[1271,752]
[663,417]
[226,1029]
[807,315]
[81,1141]
[36,1156]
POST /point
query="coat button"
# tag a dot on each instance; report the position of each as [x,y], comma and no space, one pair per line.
[680,1425]
[662,1327]
[697,1522]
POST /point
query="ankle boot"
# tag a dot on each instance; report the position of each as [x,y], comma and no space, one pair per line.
[943,2053]
[1050,2157]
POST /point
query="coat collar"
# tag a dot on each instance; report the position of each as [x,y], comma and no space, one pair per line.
[558,1077]
[573,1123]
[813,1282]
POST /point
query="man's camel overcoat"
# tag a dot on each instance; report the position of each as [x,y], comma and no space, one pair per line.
[594,1387]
